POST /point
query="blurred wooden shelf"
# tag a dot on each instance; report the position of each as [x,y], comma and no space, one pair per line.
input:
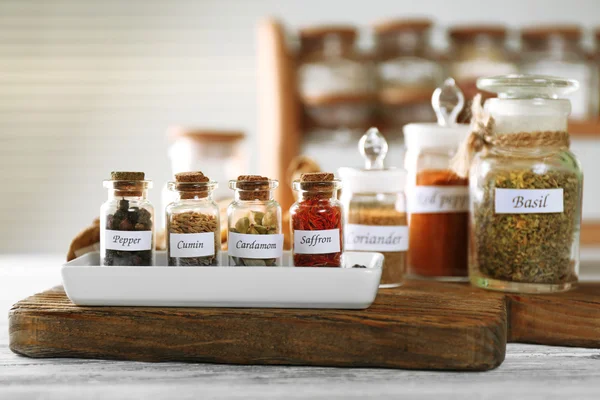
[585,129]
[590,233]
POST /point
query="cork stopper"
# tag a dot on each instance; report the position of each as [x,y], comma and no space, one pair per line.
[253,187]
[316,177]
[196,176]
[128,186]
[185,184]
[127,176]
[317,184]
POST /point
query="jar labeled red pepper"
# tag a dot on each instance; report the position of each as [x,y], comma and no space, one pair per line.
[317,221]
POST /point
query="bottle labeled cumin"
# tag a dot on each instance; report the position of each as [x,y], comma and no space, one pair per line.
[438,199]
[193,233]
[317,221]
[525,186]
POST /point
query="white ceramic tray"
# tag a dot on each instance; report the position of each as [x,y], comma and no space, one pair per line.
[89,284]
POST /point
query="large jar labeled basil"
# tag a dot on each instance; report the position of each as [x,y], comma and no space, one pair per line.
[525,187]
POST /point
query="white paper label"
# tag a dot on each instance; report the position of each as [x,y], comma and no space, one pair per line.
[376,238]
[529,201]
[255,246]
[438,199]
[128,240]
[317,242]
[192,244]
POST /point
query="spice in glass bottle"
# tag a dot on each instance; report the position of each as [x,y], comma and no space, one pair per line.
[375,206]
[254,218]
[438,199]
[525,186]
[193,234]
[439,238]
[317,221]
[127,230]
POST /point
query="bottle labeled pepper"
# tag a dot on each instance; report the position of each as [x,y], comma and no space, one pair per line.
[127,221]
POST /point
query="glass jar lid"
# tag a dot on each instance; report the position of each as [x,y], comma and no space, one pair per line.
[374,178]
[518,86]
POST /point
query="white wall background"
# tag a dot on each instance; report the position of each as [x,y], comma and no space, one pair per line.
[87,87]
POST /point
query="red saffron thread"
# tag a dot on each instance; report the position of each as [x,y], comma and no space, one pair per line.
[313,215]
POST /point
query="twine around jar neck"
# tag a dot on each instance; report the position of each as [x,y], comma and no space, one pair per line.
[482,138]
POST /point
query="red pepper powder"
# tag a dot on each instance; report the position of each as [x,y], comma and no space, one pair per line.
[438,242]
[317,209]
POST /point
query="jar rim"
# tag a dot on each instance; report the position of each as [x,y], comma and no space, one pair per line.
[252,186]
[522,86]
[317,186]
[192,186]
[121,184]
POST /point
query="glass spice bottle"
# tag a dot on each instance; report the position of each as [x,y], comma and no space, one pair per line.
[193,231]
[317,221]
[525,188]
[476,51]
[254,218]
[375,208]
[438,199]
[556,50]
[407,70]
[127,221]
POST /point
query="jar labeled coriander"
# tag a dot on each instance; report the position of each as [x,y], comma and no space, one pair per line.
[375,209]
[127,221]
[193,233]
[525,187]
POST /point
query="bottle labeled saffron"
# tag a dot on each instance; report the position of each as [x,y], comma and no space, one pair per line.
[193,234]
[317,221]
[437,198]
[254,218]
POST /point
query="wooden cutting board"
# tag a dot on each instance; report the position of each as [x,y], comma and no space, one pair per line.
[423,325]
[420,326]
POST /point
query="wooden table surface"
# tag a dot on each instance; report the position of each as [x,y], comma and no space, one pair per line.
[529,372]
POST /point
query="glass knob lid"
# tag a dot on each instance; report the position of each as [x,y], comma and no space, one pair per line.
[373,147]
[517,86]
[447,102]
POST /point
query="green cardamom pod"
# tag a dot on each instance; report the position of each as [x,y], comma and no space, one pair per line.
[257,216]
[260,229]
[242,225]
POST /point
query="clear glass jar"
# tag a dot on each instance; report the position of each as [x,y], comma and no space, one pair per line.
[317,221]
[335,81]
[254,236]
[407,72]
[596,58]
[218,153]
[193,232]
[438,203]
[526,190]
[476,51]
[127,222]
[557,51]
[376,219]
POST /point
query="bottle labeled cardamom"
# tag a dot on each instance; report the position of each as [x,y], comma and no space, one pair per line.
[525,187]
[127,221]
[193,233]
[254,236]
